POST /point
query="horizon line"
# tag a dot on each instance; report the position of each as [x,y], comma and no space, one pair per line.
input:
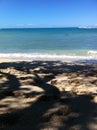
[83,27]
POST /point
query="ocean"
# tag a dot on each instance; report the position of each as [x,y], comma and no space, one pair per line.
[48,43]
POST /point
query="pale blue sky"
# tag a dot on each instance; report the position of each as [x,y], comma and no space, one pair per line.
[47,13]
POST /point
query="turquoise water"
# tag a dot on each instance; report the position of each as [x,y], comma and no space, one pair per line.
[48,42]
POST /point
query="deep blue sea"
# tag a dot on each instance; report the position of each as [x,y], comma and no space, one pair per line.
[48,43]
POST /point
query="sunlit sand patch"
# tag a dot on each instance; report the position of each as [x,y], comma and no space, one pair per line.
[12,104]
[30,88]
[95,99]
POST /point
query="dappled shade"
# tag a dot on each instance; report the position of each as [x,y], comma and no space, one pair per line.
[48,95]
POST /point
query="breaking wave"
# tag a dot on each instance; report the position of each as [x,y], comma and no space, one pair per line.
[39,56]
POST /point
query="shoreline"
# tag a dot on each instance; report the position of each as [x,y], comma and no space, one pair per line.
[90,57]
[66,59]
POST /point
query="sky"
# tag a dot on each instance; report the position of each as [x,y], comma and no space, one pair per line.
[47,13]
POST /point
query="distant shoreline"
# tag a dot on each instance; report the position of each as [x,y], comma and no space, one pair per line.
[80,27]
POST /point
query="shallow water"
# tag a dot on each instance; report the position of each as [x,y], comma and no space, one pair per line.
[53,43]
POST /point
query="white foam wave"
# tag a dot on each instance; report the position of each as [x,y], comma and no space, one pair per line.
[92,53]
[88,27]
[38,56]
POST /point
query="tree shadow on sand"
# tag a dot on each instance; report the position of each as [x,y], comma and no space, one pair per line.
[9,84]
[52,110]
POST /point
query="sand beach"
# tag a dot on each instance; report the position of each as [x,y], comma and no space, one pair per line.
[48,95]
[48,64]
